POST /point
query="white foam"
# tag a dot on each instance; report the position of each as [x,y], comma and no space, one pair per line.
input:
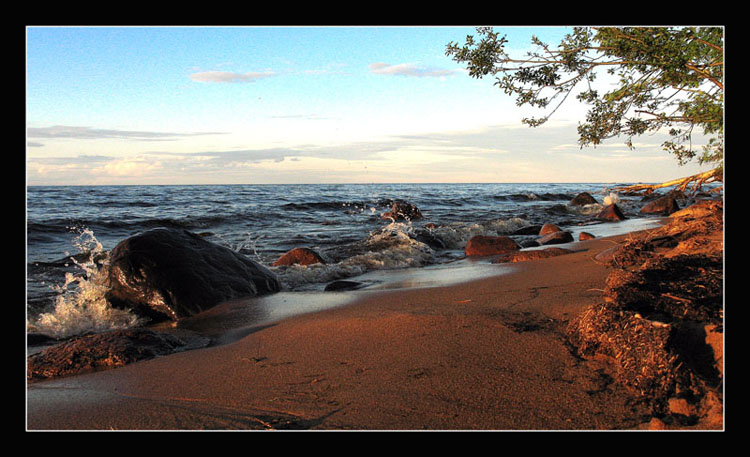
[611,199]
[80,306]
[455,235]
[392,247]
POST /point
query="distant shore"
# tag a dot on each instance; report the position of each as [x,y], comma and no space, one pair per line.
[488,354]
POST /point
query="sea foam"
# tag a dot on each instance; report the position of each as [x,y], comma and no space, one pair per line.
[80,306]
[394,246]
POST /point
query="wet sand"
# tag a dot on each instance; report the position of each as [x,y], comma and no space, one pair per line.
[489,354]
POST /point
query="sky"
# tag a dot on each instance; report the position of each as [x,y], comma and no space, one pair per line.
[257,105]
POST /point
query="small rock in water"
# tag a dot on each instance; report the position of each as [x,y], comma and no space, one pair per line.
[555,238]
[524,256]
[482,245]
[401,210]
[299,256]
[529,230]
[549,228]
[665,205]
[611,213]
[337,286]
[584,198]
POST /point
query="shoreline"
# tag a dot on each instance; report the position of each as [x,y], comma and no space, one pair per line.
[486,354]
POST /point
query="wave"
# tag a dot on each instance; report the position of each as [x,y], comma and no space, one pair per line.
[343,224]
[80,304]
[333,205]
[397,245]
[531,196]
[70,225]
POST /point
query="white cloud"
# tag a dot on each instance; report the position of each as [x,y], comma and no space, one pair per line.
[88,133]
[410,70]
[229,77]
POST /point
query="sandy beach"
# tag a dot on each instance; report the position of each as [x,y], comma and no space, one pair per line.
[490,354]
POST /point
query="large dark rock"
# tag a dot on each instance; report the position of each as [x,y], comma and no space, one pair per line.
[169,274]
[427,237]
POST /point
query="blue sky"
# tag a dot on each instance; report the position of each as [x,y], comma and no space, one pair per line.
[203,105]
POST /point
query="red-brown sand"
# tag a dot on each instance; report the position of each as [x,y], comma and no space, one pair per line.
[484,355]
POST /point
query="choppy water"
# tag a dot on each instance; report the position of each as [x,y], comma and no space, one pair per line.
[68,228]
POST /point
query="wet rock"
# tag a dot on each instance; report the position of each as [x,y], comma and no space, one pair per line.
[482,245]
[33,339]
[427,237]
[611,213]
[100,351]
[585,236]
[584,198]
[555,238]
[402,210]
[528,230]
[168,274]
[549,228]
[342,285]
[529,244]
[665,205]
[299,256]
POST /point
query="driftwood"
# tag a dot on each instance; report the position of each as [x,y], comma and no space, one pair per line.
[697,181]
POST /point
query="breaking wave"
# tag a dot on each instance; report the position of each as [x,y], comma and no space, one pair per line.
[80,305]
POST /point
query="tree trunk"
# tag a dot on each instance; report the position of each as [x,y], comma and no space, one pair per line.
[697,180]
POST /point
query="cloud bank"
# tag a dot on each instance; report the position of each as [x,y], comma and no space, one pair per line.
[498,153]
[409,70]
[88,133]
[229,77]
